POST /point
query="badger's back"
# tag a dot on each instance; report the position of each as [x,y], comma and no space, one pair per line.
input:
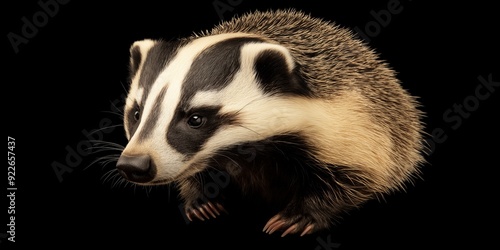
[333,61]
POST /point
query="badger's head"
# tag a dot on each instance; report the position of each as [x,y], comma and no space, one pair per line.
[189,99]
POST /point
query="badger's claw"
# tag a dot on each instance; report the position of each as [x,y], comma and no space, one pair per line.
[204,211]
[298,224]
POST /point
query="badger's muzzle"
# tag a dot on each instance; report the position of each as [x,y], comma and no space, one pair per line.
[136,168]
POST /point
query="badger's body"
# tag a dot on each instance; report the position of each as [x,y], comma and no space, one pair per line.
[289,107]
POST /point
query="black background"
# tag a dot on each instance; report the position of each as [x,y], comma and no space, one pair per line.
[65,78]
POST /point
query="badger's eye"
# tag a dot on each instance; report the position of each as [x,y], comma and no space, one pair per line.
[137,115]
[195,121]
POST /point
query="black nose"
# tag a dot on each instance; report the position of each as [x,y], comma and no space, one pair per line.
[136,168]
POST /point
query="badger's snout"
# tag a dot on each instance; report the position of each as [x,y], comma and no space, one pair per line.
[136,168]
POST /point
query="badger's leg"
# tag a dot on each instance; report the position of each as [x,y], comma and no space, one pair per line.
[196,204]
[300,217]
[315,205]
[294,224]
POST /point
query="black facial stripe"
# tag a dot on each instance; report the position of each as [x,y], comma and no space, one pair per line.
[131,122]
[187,140]
[158,57]
[214,68]
[274,75]
[152,118]
[135,61]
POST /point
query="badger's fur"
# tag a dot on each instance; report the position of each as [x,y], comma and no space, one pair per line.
[290,107]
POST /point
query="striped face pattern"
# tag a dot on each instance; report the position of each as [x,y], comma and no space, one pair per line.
[189,99]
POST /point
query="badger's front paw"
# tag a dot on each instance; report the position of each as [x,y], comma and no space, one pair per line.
[302,224]
[196,204]
[203,211]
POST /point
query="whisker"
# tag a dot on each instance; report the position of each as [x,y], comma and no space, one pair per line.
[123,86]
[119,111]
[108,175]
[99,149]
[105,149]
[104,128]
[101,142]
[119,180]
[119,114]
[104,160]
[148,189]
[100,146]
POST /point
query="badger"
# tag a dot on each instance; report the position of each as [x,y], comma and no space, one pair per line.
[292,108]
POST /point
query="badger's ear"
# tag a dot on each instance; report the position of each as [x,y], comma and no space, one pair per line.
[276,69]
[138,52]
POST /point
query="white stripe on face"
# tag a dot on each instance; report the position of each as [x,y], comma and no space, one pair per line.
[244,87]
[139,95]
[168,161]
